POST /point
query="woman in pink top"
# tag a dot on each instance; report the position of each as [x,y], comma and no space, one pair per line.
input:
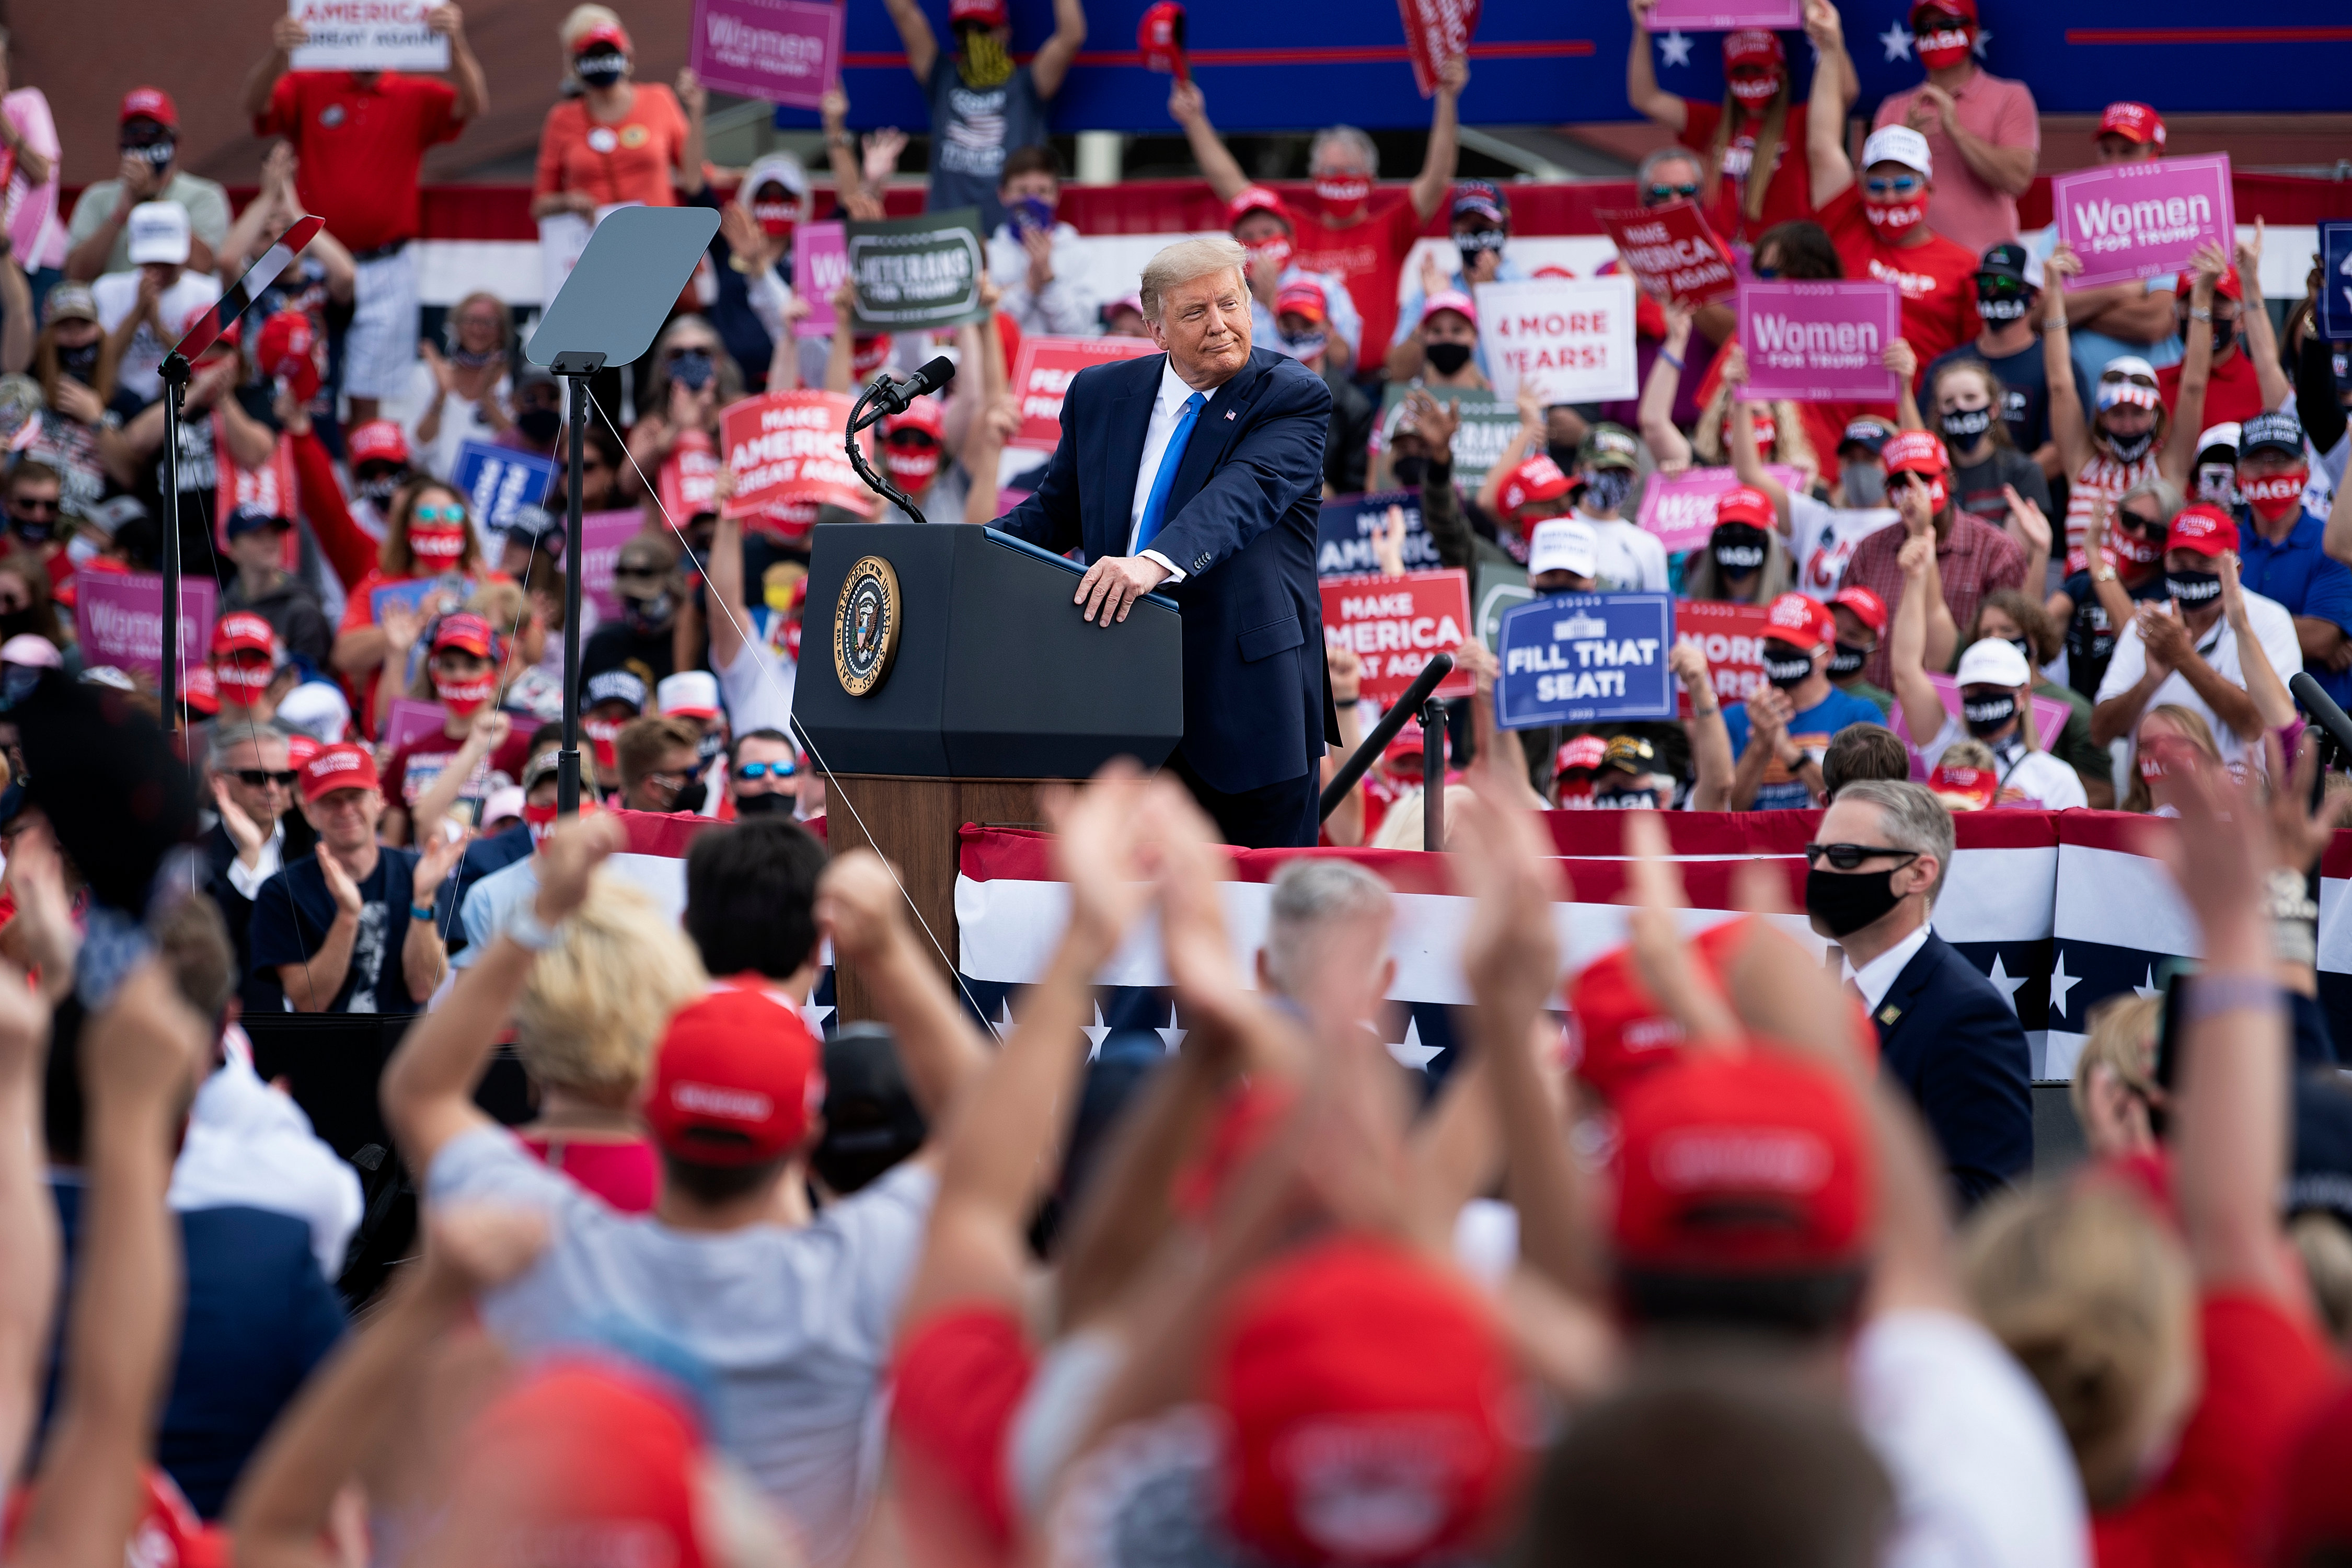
[585,1027]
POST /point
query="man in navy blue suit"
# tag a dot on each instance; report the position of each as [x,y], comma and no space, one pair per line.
[1944,1030]
[1198,473]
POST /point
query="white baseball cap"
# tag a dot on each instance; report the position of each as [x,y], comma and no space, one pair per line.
[2221,434]
[317,710]
[1989,661]
[159,232]
[1898,144]
[1563,544]
[692,693]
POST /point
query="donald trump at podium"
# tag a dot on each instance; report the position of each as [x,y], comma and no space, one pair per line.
[1198,473]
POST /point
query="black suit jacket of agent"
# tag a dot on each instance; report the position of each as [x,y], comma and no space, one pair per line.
[1240,522]
[1952,1039]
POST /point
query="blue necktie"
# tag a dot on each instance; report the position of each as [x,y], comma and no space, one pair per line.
[1155,506]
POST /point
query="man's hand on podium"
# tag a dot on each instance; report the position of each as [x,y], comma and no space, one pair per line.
[1115,582]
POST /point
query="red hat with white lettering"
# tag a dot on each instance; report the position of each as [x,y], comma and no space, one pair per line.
[1537,478]
[1867,606]
[1452,299]
[924,414]
[377,441]
[347,765]
[1915,452]
[736,1079]
[2229,286]
[1581,753]
[1741,1163]
[2206,529]
[1303,297]
[607,32]
[1753,46]
[1370,1405]
[150,103]
[242,631]
[1257,198]
[2132,121]
[1964,10]
[1799,621]
[1743,503]
[1963,788]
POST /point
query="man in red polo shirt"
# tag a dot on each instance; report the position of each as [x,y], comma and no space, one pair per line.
[361,137]
[1348,231]
[1879,222]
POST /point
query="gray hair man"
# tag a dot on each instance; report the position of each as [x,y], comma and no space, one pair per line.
[1326,941]
[1199,471]
[1946,1031]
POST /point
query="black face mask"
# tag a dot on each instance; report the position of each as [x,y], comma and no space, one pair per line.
[1785,668]
[1628,800]
[1737,548]
[2193,587]
[1987,716]
[539,425]
[649,615]
[2132,449]
[1843,903]
[155,154]
[80,363]
[690,798]
[1847,660]
[694,367]
[1965,425]
[602,70]
[1409,471]
[2002,308]
[772,804]
[32,531]
[1447,359]
[378,493]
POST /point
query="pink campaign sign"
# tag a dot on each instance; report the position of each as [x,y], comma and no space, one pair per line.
[780,51]
[1680,508]
[601,535]
[2131,221]
[1723,15]
[1820,343]
[118,616]
[820,262]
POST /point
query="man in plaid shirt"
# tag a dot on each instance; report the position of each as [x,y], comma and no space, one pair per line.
[1972,557]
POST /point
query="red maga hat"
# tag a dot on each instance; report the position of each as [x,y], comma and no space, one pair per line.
[347,765]
[736,1079]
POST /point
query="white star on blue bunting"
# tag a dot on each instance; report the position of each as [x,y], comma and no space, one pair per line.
[1675,47]
[2060,982]
[1897,39]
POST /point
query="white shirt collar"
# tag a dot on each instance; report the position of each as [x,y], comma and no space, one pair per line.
[1173,389]
[1876,977]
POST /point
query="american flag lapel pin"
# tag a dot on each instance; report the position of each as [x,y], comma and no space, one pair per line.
[1229,414]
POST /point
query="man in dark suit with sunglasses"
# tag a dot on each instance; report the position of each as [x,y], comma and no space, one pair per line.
[1945,1031]
[252,786]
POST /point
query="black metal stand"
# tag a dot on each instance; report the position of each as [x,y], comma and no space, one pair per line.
[174,372]
[860,418]
[575,369]
[1432,774]
[1416,699]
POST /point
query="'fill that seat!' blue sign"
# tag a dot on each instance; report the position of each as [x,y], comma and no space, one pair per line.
[1585,658]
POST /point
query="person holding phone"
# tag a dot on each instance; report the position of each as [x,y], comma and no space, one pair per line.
[1037,260]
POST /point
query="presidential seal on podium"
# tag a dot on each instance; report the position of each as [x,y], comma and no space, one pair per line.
[866,625]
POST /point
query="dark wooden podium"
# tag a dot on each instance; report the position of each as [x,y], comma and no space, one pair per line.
[942,686]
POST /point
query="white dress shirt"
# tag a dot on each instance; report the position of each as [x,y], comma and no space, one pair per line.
[246,1145]
[1166,408]
[1876,977]
[272,860]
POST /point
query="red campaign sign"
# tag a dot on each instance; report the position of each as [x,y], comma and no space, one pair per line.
[1672,253]
[1394,624]
[784,450]
[1042,373]
[688,482]
[1437,31]
[1731,640]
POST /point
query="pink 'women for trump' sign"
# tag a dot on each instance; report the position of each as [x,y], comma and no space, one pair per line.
[1722,16]
[1680,508]
[1820,343]
[119,616]
[2130,221]
[784,51]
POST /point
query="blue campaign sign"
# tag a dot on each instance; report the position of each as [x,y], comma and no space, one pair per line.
[499,482]
[1347,526]
[2336,280]
[1583,658]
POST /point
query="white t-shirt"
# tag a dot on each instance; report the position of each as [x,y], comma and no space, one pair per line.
[793,1324]
[757,685]
[116,295]
[1982,1475]
[249,1146]
[2273,629]
[2047,781]
[1628,559]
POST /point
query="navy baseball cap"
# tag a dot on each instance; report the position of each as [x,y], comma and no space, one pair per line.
[1867,434]
[1481,198]
[245,519]
[2280,432]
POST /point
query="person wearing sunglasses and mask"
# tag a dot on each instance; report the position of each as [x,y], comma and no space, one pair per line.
[250,781]
[2242,373]
[1778,736]
[1982,130]
[150,171]
[1877,215]
[1972,558]
[2125,546]
[2008,292]
[2215,649]
[2281,548]
[677,445]
[1744,561]
[660,760]
[1607,467]
[1481,229]
[477,749]
[1996,684]
[1759,124]
[764,774]
[36,530]
[1945,1032]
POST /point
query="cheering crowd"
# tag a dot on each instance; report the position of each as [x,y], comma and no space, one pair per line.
[1714,1250]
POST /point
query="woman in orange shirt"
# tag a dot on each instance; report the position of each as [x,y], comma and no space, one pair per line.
[617,141]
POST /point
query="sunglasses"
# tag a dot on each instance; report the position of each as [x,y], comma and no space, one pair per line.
[438,514]
[37,506]
[1660,194]
[1905,479]
[2143,381]
[256,778]
[750,771]
[2000,286]
[1849,857]
[2141,523]
[1896,186]
[638,573]
[911,441]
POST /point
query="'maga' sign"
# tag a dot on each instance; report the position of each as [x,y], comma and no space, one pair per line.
[1583,658]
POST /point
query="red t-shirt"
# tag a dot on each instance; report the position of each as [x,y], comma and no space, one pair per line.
[629,160]
[1366,256]
[2266,1373]
[1788,196]
[417,763]
[957,1383]
[1938,278]
[2234,395]
[622,1173]
[361,147]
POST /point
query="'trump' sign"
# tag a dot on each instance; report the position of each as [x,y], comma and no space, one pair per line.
[1820,343]
[2131,221]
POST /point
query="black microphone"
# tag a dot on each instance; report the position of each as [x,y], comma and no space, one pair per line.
[2323,709]
[930,378]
